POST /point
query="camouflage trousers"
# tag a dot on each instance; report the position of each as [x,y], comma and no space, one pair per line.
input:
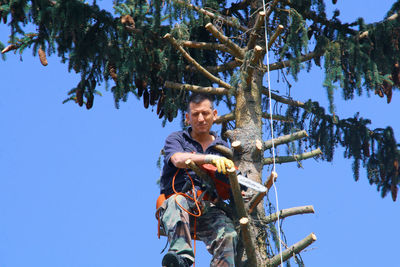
[214,228]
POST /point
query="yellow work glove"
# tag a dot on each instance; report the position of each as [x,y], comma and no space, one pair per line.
[221,163]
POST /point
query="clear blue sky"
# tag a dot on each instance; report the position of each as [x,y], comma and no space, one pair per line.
[78,187]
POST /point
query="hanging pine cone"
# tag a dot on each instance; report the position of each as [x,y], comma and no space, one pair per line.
[112,71]
[146,99]
[170,116]
[89,101]
[160,104]
[42,56]
[394,189]
[140,85]
[382,173]
[161,114]
[79,95]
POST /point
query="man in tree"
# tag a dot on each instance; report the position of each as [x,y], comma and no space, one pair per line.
[213,226]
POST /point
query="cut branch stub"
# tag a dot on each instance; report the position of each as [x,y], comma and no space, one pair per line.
[260,195]
[274,36]
[284,159]
[285,139]
[256,57]
[294,249]
[288,212]
[237,146]
[256,28]
[259,145]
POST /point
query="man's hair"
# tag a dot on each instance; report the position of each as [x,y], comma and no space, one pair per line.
[197,98]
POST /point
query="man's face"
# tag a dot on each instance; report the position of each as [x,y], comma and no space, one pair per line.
[201,117]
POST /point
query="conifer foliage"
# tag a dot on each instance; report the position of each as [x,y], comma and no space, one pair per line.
[159,50]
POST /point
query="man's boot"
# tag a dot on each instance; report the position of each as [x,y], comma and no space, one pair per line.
[171,259]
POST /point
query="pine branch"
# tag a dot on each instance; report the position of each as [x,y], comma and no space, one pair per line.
[236,6]
[235,49]
[196,88]
[254,35]
[286,63]
[204,45]
[196,64]
[231,117]
[392,17]
[220,68]
[283,100]
[228,21]
[285,159]
[276,117]
[288,212]
[201,174]
[225,118]
[285,139]
[271,8]
[294,249]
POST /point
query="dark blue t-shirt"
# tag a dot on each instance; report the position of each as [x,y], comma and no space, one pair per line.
[182,142]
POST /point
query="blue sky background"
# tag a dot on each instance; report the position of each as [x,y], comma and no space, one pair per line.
[78,187]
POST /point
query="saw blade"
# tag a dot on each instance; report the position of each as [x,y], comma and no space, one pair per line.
[251,184]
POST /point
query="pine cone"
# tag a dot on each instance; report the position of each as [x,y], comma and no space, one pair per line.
[42,56]
[161,114]
[89,101]
[112,71]
[146,99]
[141,86]
[79,95]
[393,190]
[160,104]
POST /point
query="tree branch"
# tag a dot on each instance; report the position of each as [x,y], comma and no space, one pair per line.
[285,139]
[271,7]
[254,35]
[283,100]
[226,151]
[288,212]
[286,63]
[274,36]
[201,174]
[242,214]
[260,195]
[247,241]
[220,68]
[284,159]
[196,64]
[228,21]
[294,249]
[231,117]
[235,49]
[196,88]
[253,62]
[204,45]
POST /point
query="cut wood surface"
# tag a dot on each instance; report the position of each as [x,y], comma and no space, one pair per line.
[289,212]
[294,249]
[285,139]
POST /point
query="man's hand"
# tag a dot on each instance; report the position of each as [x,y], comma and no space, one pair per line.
[221,163]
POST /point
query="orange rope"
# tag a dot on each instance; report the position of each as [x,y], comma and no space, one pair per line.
[195,202]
